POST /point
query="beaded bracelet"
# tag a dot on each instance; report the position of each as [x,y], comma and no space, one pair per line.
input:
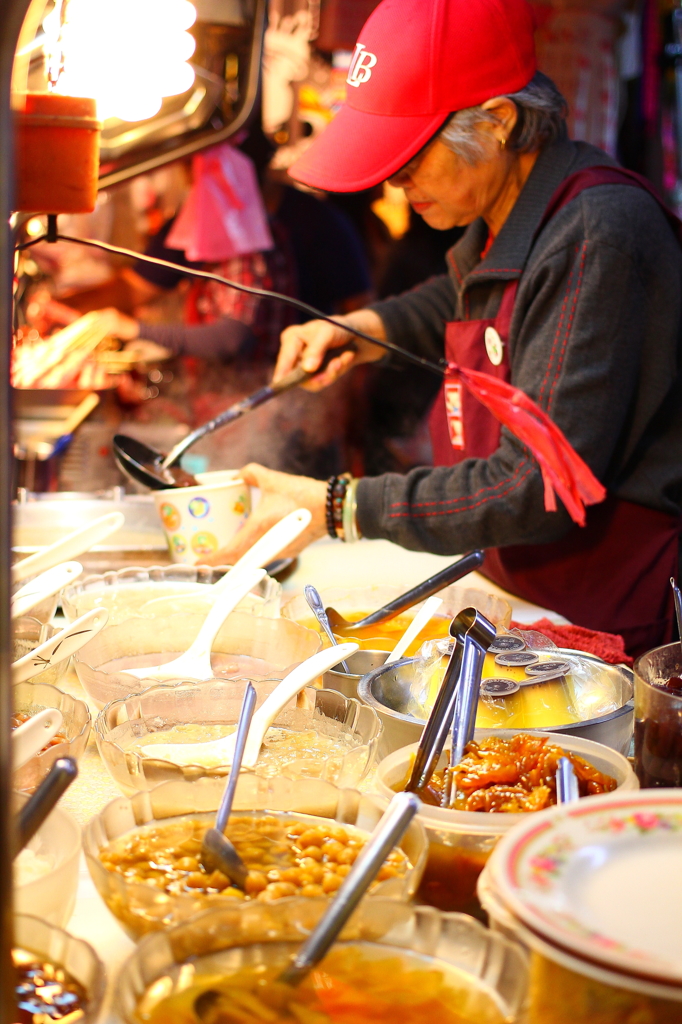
[336,493]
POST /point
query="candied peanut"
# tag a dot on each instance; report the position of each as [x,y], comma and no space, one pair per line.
[387,871]
[255,882]
[331,882]
[277,890]
[290,875]
[235,894]
[251,854]
[348,855]
[338,833]
[342,870]
[332,849]
[312,869]
[311,837]
[312,852]
[187,864]
[196,880]
[311,890]
[217,880]
[296,828]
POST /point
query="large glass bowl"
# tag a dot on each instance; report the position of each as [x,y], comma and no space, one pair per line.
[52,895]
[658,718]
[28,633]
[126,592]
[218,702]
[488,967]
[76,956]
[33,696]
[142,908]
[259,648]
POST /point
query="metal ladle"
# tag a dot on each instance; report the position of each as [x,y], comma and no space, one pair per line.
[217,852]
[432,585]
[39,804]
[151,468]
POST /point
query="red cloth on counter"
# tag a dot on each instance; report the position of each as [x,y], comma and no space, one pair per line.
[609,647]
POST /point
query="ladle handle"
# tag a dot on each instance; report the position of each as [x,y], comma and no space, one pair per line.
[317,608]
[430,586]
[466,704]
[438,726]
[40,804]
[236,411]
[245,717]
[566,782]
[388,832]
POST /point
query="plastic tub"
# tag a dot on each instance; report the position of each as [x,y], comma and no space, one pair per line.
[161,707]
[124,593]
[460,842]
[33,696]
[141,908]
[258,649]
[52,896]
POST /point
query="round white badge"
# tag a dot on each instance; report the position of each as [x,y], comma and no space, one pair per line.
[494,346]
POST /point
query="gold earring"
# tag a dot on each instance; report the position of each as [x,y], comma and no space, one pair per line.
[503,142]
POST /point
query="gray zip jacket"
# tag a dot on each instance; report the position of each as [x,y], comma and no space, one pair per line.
[595,341]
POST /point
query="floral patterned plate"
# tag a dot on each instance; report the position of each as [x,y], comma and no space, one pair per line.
[602,878]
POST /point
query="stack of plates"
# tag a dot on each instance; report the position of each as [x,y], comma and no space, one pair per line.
[596,888]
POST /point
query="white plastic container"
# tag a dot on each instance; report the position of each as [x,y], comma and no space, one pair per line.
[52,896]
[460,842]
[200,521]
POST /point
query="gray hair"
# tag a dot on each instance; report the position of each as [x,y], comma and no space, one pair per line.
[541,120]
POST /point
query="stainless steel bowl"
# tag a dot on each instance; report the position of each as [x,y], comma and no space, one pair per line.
[359,664]
[387,690]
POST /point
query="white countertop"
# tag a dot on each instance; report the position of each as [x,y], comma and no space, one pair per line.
[326,564]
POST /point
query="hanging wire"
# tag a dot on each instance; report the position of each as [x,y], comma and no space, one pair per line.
[206,275]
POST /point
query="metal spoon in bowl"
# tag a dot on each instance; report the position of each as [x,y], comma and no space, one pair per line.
[221,752]
[678,607]
[407,600]
[39,804]
[317,608]
[566,782]
[388,832]
[195,663]
[217,852]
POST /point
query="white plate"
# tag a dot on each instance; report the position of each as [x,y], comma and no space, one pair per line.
[602,878]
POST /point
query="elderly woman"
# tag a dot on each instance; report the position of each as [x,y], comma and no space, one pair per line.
[566,284]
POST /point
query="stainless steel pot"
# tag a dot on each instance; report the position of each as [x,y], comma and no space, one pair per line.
[387,690]
[360,664]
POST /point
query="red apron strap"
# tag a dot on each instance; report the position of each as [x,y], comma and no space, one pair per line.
[603,175]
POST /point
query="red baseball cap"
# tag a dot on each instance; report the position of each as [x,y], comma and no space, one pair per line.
[416,62]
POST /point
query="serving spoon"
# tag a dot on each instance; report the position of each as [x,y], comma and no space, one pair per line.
[259,555]
[419,622]
[432,585]
[217,852]
[566,782]
[221,752]
[317,608]
[40,804]
[31,736]
[43,586]
[195,663]
[61,646]
[70,546]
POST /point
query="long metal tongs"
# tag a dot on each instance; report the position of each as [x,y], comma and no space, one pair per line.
[475,634]
[468,622]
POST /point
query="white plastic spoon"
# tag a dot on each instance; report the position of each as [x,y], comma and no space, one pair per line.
[260,554]
[31,736]
[62,645]
[44,586]
[424,615]
[74,544]
[195,663]
[220,752]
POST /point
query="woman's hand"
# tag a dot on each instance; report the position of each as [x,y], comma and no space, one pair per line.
[306,344]
[281,493]
[119,325]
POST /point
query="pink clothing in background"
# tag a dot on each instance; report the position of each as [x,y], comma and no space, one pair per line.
[223,215]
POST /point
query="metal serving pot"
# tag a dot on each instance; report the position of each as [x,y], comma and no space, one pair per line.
[387,690]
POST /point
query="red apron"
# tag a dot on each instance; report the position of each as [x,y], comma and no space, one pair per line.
[612,574]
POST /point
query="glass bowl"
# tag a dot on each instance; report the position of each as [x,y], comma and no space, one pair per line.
[52,894]
[258,648]
[658,718]
[33,696]
[28,632]
[74,955]
[490,970]
[357,602]
[124,592]
[460,842]
[141,907]
[217,703]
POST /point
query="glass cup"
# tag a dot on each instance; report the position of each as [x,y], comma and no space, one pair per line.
[658,718]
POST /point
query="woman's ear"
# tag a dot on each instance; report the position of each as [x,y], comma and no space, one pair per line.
[507,114]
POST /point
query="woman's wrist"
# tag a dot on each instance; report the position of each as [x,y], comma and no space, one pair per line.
[341,508]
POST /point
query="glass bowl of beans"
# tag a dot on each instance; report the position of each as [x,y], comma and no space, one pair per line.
[297,838]
[393,962]
[32,696]
[246,645]
[66,968]
[321,734]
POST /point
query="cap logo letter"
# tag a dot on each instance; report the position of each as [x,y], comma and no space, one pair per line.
[361,65]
